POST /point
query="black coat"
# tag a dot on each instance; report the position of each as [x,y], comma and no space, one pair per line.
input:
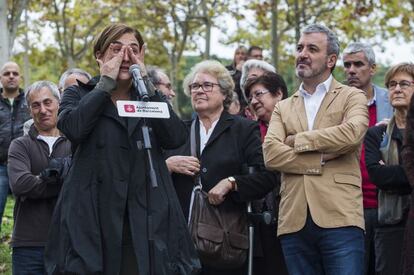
[108,179]
[232,148]
[12,119]
[385,177]
[408,161]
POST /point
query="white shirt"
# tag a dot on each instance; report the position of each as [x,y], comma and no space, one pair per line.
[205,135]
[314,101]
[49,140]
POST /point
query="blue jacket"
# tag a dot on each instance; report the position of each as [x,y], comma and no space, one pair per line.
[384,108]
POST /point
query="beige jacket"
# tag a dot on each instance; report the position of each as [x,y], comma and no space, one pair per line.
[332,191]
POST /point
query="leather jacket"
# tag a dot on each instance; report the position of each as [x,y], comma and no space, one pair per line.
[12,119]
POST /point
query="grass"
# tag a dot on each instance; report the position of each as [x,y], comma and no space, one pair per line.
[5,236]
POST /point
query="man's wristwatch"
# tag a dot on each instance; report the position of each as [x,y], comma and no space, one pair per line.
[232,180]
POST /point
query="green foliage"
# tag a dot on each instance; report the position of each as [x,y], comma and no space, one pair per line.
[5,236]
[174,28]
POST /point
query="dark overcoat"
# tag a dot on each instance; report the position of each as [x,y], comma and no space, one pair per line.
[108,180]
[232,148]
[408,157]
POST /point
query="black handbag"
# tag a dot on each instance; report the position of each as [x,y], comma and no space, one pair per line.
[219,232]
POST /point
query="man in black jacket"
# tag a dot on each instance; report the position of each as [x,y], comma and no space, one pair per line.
[13,113]
[37,164]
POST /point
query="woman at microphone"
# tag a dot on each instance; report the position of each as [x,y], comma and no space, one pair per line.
[100,222]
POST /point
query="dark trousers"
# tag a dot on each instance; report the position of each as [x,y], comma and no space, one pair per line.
[271,260]
[371,222]
[4,189]
[129,265]
[329,251]
[388,246]
[28,261]
[207,270]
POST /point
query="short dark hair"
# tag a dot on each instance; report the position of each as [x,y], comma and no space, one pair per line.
[271,81]
[111,33]
[252,48]
[332,38]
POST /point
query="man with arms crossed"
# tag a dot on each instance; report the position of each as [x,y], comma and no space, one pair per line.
[314,139]
[36,170]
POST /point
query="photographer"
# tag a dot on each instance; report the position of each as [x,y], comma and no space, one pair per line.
[37,163]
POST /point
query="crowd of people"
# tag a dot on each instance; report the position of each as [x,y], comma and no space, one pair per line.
[333,163]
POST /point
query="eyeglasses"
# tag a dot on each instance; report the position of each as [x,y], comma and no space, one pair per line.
[167,85]
[206,86]
[257,95]
[117,46]
[404,84]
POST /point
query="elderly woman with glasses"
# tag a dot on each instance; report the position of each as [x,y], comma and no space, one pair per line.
[226,146]
[383,145]
[251,69]
[262,93]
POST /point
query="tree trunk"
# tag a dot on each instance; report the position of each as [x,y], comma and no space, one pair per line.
[208,39]
[71,61]
[4,33]
[207,22]
[16,13]
[297,21]
[275,35]
[26,62]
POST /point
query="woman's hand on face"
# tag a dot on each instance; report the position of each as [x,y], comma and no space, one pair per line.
[218,193]
[111,67]
[239,65]
[187,165]
[138,58]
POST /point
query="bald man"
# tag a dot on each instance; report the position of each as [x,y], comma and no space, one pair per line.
[13,113]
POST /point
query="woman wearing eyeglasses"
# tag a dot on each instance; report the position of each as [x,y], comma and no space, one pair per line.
[383,145]
[262,93]
[226,146]
[101,222]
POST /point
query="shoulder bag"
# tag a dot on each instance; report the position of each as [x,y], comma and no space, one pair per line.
[219,232]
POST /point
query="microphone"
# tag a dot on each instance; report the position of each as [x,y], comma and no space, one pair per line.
[139,84]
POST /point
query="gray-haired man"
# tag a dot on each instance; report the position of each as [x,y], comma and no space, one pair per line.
[36,166]
[360,67]
[71,77]
[161,81]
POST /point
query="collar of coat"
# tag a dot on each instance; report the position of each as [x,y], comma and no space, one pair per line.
[17,98]
[33,132]
[224,122]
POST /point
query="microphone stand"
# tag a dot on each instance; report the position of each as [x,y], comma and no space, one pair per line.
[264,217]
[152,184]
[252,170]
